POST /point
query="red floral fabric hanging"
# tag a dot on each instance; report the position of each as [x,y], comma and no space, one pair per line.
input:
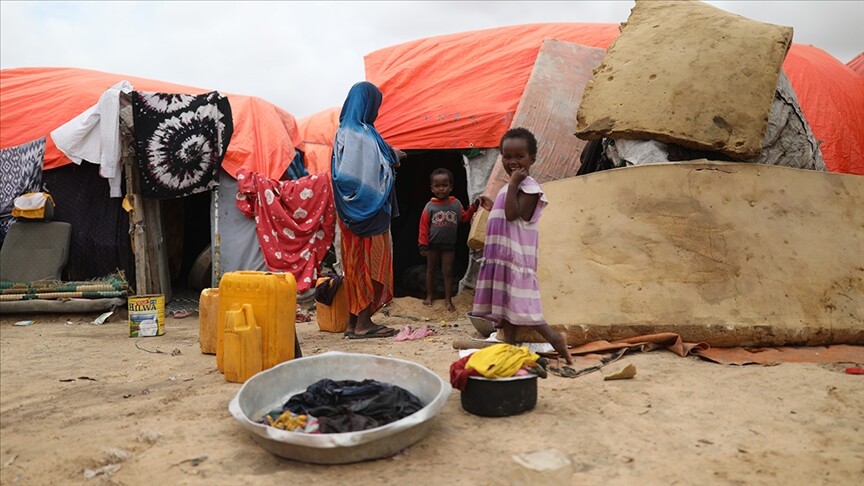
[295,221]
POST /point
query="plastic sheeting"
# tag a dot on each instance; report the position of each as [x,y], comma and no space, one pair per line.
[832,99]
[317,133]
[35,101]
[857,64]
[462,90]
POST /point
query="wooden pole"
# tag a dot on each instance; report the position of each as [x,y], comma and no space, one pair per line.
[217,242]
[137,229]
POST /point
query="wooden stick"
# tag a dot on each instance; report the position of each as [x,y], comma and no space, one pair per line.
[472,343]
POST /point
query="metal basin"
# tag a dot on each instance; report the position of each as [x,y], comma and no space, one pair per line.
[272,388]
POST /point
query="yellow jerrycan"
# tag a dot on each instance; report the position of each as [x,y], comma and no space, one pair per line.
[242,344]
[273,298]
[333,317]
[208,320]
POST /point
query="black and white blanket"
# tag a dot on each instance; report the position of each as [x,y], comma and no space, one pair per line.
[180,141]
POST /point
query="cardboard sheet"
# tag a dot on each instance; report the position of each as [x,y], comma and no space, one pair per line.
[722,253]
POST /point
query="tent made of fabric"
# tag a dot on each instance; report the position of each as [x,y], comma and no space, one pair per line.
[857,64]
[317,133]
[832,99]
[35,101]
[461,90]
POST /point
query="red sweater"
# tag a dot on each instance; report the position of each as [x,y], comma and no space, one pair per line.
[440,219]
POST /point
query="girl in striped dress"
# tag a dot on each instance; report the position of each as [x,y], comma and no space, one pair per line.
[507,290]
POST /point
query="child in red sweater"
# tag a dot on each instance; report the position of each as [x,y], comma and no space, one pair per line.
[438,225]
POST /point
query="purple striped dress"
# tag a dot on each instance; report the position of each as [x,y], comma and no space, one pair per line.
[507,287]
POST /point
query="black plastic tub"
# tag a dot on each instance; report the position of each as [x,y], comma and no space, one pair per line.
[500,398]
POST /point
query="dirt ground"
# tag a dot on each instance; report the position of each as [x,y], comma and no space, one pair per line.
[162,418]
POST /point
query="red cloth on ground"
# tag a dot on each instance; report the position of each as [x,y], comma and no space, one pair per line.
[459,375]
[295,222]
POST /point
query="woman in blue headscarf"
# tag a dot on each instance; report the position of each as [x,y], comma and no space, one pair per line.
[363,188]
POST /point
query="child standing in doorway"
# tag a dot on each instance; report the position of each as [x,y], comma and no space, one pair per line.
[438,225]
[507,290]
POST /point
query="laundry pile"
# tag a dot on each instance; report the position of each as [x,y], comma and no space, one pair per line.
[330,407]
[497,361]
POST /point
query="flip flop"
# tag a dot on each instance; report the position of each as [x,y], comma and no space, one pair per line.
[373,333]
[348,333]
[567,372]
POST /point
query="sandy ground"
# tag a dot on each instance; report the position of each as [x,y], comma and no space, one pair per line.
[680,421]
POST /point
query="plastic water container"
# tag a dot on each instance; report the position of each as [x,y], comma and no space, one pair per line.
[334,317]
[208,320]
[243,345]
[273,298]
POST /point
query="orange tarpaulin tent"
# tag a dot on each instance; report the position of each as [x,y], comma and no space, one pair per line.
[857,64]
[35,101]
[461,90]
[317,133]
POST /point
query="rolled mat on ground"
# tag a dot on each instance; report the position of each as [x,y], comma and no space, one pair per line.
[111,286]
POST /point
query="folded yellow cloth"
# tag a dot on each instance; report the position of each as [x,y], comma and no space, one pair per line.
[500,360]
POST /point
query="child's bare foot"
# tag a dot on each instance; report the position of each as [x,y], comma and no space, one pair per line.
[450,306]
[427,301]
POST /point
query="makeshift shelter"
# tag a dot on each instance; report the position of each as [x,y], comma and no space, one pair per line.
[35,101]
[460,92]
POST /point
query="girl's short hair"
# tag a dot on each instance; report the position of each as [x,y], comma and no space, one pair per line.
[524,134]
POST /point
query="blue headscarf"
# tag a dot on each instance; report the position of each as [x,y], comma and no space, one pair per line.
[362,165]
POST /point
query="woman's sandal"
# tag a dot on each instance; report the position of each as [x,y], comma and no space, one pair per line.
[374,333]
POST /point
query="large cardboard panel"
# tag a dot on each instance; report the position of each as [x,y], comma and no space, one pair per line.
[729,254]
[688,73]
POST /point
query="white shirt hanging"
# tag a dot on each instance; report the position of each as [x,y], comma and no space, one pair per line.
[94,136]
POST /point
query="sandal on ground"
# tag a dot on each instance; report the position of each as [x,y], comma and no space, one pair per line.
[374,332]
[565,372]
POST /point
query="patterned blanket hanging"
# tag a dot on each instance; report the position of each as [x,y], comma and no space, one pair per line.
[21,170]
[180,141]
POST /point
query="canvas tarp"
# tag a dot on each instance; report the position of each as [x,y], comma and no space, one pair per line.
[462,90]
[35,101]
[317,133]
